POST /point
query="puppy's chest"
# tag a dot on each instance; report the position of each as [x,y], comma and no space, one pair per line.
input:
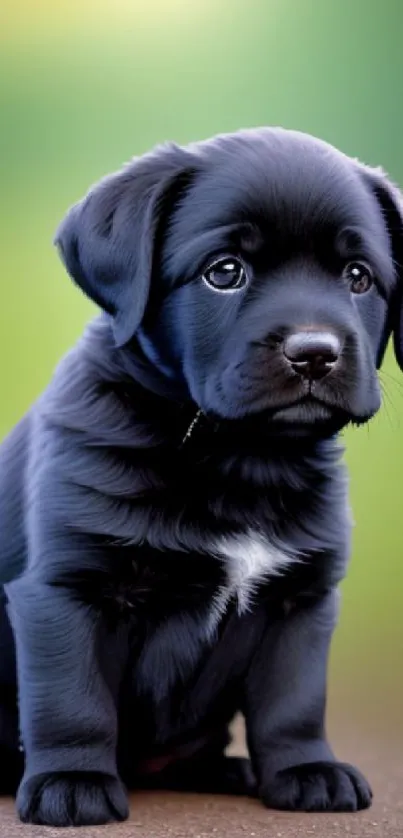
[206,541]
[249,560]
[185,599]
[222,570]
[247,556]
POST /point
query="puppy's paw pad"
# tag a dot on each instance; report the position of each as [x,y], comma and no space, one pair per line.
[318,787]
[72,799]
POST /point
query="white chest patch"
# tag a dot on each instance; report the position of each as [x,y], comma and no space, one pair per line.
[249,560]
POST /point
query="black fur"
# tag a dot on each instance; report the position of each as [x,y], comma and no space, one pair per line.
[110,513]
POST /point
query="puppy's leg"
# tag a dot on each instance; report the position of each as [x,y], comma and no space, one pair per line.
[67,703]
[285,696]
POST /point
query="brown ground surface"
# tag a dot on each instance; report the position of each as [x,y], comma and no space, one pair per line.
[156,815]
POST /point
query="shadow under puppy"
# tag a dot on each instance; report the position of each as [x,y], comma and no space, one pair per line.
[173,511]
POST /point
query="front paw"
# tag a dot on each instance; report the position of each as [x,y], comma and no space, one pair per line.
[72,799]
[317,787]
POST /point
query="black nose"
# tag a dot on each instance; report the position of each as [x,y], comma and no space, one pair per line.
[312,354]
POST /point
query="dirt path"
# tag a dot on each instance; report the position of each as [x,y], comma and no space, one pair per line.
[155,815]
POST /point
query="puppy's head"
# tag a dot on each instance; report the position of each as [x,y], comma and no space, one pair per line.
[258,271]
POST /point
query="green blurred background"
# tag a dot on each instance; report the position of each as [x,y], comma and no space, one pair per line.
[88,83]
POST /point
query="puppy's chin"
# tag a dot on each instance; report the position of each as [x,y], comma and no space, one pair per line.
[312,417]
[307,419]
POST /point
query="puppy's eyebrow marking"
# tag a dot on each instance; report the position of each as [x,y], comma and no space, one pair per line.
[348,241]
[251,237]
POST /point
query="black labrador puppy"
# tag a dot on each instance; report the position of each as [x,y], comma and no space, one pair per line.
[173,510]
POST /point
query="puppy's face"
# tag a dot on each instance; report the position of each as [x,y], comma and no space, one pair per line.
[271,265]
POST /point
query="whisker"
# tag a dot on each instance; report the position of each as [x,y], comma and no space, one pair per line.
[387,404]
[396,381]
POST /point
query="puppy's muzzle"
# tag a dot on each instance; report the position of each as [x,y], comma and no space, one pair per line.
[312,354]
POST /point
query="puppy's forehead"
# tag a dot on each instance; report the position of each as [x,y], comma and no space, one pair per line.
[278,178]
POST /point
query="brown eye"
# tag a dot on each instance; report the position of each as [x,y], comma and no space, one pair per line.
[226,274]
[359,276]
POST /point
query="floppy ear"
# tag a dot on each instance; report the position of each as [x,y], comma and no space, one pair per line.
[390,200]
[107,240]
